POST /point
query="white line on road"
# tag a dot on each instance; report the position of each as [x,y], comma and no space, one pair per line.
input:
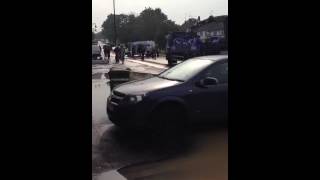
[112,175]
[148,64]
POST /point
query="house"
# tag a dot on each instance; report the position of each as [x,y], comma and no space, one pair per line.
[211,27]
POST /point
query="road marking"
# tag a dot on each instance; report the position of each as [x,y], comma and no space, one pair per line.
[148,64]
[112,175]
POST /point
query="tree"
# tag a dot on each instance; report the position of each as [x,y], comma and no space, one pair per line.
[151,20]
[99,35]
[108,26]
[165,28]
[151,24]
[188,24]
[155,25]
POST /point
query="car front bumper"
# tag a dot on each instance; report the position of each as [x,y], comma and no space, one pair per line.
[133,116]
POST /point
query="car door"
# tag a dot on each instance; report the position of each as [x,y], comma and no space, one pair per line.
[211,102]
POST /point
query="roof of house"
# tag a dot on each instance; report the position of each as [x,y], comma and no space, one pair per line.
[212,23]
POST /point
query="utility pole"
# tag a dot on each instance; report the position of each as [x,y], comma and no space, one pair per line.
[114,23]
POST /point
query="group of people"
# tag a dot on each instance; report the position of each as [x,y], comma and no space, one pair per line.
[118,50]
[120,53]
[106,51]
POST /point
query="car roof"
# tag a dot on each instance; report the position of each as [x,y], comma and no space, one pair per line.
[213,57]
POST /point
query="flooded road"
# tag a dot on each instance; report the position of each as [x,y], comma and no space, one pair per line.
[101,91]
[113,148]
[203,155]
[100,121]
[200,154]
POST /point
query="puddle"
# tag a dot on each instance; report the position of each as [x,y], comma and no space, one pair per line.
[100,93]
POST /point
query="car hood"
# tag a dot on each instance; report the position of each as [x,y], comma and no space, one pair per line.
[145,86]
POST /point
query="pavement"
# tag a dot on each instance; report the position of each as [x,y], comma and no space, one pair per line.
[149,62]
[159,63]
[109,150]
[118,154]
[111,175]
[159,60]
[205,157]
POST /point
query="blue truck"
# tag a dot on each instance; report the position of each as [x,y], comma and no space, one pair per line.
[184,45]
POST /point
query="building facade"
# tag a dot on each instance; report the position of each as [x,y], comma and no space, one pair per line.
[212,27]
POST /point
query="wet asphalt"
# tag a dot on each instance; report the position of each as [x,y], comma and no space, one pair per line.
[112,148]
[142,156]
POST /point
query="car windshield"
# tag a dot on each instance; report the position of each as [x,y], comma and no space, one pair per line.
[185,70]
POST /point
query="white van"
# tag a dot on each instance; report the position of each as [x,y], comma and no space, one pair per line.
[96,52]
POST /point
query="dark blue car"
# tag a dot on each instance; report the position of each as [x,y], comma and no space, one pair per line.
[193,91]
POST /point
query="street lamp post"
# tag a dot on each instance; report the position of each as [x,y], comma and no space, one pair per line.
[114,24]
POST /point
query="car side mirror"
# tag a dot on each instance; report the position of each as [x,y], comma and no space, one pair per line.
[208,81]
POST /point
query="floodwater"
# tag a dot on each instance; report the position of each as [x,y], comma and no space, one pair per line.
[200,154]
[100,93]
[205,157]
[113,147]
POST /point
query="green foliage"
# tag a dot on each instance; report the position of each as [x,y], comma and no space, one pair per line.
[151,24]
[189,23]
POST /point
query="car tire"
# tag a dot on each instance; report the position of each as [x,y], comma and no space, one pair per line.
[169,119]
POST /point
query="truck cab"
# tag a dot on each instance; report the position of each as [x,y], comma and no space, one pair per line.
[181,46]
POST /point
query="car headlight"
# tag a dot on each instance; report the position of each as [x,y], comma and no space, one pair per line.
[135,98]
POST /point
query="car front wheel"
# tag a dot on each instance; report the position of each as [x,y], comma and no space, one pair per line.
[169,119]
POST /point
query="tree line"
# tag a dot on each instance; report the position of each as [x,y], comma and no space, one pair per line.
[150,24]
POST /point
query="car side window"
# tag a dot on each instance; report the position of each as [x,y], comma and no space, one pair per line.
[219,71]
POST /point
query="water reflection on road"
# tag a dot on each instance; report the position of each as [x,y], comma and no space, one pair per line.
[100,92]
[112,147]
[204,155]
[115,148]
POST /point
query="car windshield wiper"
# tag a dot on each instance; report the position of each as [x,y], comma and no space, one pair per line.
[171,79]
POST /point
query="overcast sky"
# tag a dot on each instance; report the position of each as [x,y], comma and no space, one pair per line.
[176,10]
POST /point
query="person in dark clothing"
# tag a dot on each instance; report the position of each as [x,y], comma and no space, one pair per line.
[122,53]
[132,51]
[139,49]
[106,50]
[154,53]
[117,53]
[142,52]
